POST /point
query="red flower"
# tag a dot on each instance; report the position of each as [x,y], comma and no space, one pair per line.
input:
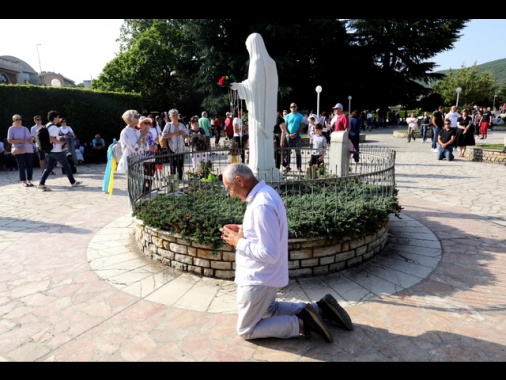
[226,80]
[222,81]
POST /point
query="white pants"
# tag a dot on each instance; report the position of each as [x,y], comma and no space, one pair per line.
[261,316]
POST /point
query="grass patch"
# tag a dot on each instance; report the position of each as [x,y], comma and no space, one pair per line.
[491,146]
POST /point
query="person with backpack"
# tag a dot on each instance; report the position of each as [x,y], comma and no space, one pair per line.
[41,155]
[56,154]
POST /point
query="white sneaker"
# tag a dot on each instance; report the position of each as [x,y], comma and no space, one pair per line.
[43,188]
[434,150]
[77,183]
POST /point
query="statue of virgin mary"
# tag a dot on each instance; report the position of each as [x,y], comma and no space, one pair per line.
[260,92]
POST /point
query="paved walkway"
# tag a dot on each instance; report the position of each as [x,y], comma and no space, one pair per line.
[73,286]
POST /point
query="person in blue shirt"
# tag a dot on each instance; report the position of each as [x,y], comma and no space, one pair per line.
[354,132]
[99,150]
[294,122]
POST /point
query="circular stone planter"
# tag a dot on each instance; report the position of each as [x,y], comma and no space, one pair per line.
[307,257]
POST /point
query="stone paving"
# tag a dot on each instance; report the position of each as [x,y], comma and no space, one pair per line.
[73,286]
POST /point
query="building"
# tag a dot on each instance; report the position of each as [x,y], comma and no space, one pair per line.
[16,71]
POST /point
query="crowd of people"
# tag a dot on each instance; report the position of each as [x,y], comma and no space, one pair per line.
[25,149]
[77,153]
[452,129]
[466,125]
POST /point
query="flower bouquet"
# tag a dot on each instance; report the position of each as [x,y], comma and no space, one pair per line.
[226,80]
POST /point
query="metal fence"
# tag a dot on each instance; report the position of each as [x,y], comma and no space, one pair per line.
[150,176]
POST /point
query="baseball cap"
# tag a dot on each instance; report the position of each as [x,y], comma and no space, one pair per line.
[338,105]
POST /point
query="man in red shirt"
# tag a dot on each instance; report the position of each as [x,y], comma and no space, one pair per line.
[340,121]
[229,127]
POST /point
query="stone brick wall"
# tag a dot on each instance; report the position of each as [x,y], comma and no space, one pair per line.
[306,257]
[485,155]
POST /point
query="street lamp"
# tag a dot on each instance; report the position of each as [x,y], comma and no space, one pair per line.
[349,105]
[493,104]
[459,89]
[38,55]
[318,90]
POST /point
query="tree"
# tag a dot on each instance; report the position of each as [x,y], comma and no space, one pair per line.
[477,89]
[210,48]
[179,61]
[400,50]
[301,48]
[148,64]
[500,94]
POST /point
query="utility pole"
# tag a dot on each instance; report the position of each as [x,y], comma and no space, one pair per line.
[40,66]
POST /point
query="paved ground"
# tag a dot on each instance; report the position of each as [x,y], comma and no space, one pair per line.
[74,288]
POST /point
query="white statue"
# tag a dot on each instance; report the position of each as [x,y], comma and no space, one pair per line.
[260,91]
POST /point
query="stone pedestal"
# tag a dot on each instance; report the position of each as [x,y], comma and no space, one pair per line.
[339,153]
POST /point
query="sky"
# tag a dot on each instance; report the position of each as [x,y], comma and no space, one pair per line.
[79,49]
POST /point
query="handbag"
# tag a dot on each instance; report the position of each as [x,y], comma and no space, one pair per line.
[163,143]
[18,150]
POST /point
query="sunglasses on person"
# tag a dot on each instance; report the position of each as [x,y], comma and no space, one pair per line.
[18,119]
[293,106]
[136,116]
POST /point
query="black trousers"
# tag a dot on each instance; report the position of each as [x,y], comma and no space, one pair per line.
[241,143]
[277,151]
[355,140]
[176,165]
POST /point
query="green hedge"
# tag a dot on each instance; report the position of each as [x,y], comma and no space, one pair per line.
[87,111]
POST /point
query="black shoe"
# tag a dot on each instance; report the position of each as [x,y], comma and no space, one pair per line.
[312,322]
[334,313]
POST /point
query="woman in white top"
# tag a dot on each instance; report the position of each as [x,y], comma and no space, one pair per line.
[412,126]
[176,133]
[132,141]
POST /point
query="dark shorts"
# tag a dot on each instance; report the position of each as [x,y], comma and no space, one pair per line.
[41,154]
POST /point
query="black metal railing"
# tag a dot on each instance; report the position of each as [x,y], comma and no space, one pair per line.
[150,176]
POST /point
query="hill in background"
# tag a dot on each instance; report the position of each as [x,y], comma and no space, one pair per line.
[497,68]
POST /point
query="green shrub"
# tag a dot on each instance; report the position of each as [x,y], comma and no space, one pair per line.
[314,211]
